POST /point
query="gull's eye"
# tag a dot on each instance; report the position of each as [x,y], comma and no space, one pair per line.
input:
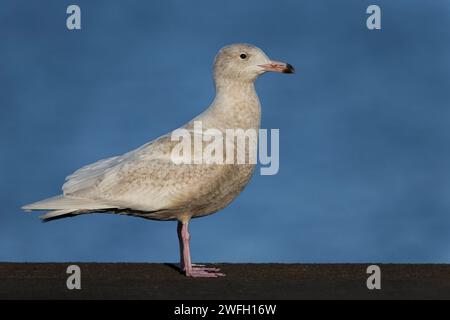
[243,56]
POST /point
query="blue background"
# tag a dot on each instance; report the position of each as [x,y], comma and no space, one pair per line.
[364,126]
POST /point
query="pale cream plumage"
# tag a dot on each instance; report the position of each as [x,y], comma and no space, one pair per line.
[147,183]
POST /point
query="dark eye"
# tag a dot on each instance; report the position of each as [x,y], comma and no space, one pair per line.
[243,56]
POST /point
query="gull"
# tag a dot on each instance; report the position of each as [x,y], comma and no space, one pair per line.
[147,183]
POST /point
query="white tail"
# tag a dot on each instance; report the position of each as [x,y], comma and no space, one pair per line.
[65,205]
[54,214]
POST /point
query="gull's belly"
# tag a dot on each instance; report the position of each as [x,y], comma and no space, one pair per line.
[222,192]
[205,196]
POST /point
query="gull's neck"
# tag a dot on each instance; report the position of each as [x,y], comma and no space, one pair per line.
[236,105]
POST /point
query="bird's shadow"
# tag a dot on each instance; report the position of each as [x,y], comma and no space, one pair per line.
[175,267]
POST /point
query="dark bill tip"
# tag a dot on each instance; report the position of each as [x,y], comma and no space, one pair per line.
[289,69]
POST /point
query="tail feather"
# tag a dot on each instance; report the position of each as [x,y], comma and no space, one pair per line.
[64,206]
[57,214]
[66,202]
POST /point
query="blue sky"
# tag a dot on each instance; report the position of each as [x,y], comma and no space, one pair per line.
[364,135]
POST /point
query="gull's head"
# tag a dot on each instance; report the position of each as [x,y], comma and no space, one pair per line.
[244,62]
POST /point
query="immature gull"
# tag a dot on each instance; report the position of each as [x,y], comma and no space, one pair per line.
[147,183]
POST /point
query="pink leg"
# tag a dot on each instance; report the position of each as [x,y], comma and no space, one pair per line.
[192,270]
